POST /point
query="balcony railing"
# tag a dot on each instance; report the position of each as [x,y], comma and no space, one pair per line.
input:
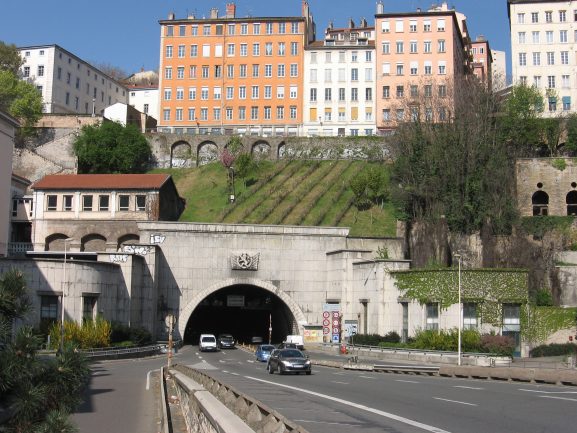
[19,248]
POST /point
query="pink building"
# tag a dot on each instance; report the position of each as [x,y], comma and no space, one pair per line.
[482,61]
[421,60]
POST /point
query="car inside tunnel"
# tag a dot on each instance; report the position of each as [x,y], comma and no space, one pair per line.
[244,311]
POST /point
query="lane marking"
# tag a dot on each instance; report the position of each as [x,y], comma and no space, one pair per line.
[548,392]
[467,387]
[342,383]
[327,422]
[406,381]
[234,374]
[384,414]
[558,398]
[455,401]
[148,378]
[339,374]
[366,377]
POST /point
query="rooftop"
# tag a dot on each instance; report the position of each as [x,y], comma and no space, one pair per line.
[101,181]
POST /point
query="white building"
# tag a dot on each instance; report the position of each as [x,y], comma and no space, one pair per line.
[543,51]
[499,69]
[144,99]
[69,84]
[8,127]
[339,86]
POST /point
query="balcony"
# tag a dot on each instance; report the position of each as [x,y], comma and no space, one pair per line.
[19,249]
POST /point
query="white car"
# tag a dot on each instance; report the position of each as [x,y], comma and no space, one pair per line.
[207,342]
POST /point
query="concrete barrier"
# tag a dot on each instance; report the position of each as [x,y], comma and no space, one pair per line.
[538,375]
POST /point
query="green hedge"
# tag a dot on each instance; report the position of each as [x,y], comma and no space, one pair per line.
[376,339]
[553,350]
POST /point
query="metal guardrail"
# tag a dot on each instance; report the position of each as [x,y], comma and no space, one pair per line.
[418,369]
[122,352]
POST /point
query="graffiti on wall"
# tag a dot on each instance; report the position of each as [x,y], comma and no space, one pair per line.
[157,239]
[140,250]
[118,258]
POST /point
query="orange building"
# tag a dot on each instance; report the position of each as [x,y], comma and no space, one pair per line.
[422,58]
[229,75]
[482,61]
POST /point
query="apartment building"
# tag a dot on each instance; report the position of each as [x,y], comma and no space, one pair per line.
[226,74]
[422,58]
[500,77]
[543,37]
[8,126]
[339,85]
[482,61]
[69,84]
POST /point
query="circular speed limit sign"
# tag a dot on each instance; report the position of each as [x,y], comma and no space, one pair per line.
[326,322]
[326,314]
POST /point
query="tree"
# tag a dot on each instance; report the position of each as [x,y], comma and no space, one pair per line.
[10,59]
[37,393]
[112,148]
[20,99]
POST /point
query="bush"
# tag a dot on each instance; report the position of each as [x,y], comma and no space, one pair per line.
[122,333]
[497,344]
[140,336]
[92,333]
[553,350]
[376,339]
[543,298]
[448,340]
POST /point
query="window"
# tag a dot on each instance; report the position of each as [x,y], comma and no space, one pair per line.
[534,17]
[293,112]
[354,94]
[41,72]
[229,92]
[566,102]
[294,72]
[536,59]
[432,314]
[243,50]
[194,30]
[414,69]
[398,26]
[400,69]
[230,50]
[522,59]
[400,113]
[256,49]
[368,74]
[414,91]
[281,28]
[103,202]
[181,51]
[166,114]
[442,68]
[228,113]
[293,92]
[400,47]
[254,113]
[280,92]
[313,94]
[67,202]
[229,71]
[280,112]
[255,71]
[140,202]
[48,310]
[400,91]
[342,96]
[386,92]
[267,113]
[268,71]
[89,305]
[192,71]
[521,37]
[269,28]
[294,28]
[294,48]
[168,51]
[386,114]
[231,29]
[368,56]
[191,114]
[563,36]
[281,49]
[386,47]
[428,90]
[426,26]
[27,71]
[216,113]
[469,315]
[268,49]
[180,72]
[167,94]
[242,92]
[548,17]
[256,29]
[441,45]
[254,92]
[565,80]
[549,37]
[562,16]
[192,93]
[427,46]
[216,91]
[244,29]
[242,113]
[87,203]
[413,46]
[168,73]
[442,90]
[51,202]
[551,81]
[354,74]
[354,56]
[550,58]
[441,25]
[280,70]
[328,94]
[267,92]
[206,30]
[564,57]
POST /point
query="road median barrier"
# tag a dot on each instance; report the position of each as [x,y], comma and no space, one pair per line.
[516,374]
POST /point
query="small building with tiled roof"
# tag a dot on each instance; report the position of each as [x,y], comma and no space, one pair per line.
[100,211]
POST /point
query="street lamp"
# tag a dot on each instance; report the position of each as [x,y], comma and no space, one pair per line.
[459,258]
[61,348]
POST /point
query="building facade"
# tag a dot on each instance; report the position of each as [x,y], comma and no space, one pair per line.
[144,99]
[482,61]
[500,77]
[543,50]
[421,60]
[8,126]
[69,84]
[339,85]
[21,212]
[225,74]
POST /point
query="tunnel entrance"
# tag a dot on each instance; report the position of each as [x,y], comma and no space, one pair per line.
[245,311]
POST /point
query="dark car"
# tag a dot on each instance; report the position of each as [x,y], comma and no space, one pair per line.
[263,352]
[288,361]
[225,341]
[285,345]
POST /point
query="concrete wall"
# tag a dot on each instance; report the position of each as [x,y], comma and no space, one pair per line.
[7,130]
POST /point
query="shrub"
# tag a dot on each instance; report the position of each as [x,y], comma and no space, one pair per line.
[553,350]
[140,336]
[448,340]
[498,344]
[543,298]
[92,333]
[376,339]
[122,333]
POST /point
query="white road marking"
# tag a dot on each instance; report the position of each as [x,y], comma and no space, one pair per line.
[326,422]
[406,381]
[222,361]
[455,401]
[342,383]
[339,374]
[558,398]
[366,377]
[384,414]
[234,374]
[467,387]
[548,392]
[148,378]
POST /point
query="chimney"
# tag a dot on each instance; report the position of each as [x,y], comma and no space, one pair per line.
[351,23]
[305,8]
[363,23]
[171,16]
[213,13]
[380,7]
[230,10]
[481,38]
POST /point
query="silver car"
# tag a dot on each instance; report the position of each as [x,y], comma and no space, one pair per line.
[288,361]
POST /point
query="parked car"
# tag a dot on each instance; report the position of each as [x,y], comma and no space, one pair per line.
[263,352]
[225,341]
[288,360]
[207,342]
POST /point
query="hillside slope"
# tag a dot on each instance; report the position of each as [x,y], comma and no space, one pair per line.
[314,193]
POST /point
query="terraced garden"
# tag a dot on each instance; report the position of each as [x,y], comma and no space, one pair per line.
[312,193]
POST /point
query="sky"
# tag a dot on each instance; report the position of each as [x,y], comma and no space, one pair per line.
[126,33]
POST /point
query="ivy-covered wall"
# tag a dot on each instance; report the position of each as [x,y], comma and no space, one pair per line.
[490,288]
[544,321]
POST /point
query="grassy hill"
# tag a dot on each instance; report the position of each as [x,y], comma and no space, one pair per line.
[314,193]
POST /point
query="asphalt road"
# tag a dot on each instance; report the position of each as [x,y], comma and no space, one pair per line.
[335,401]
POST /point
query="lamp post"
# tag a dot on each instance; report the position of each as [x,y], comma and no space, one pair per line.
[61,348]
[459,257]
